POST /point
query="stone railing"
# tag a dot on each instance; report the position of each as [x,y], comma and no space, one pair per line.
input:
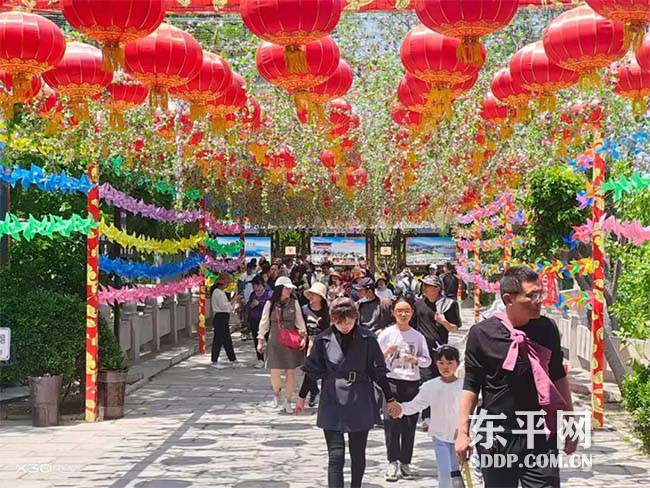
[145,329]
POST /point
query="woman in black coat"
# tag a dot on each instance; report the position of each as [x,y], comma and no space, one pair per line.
[348,359]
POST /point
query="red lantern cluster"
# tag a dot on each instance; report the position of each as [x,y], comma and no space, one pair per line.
[633,82]
[122,96]
[114,23]
[635,14]
[230,101]
[8,97]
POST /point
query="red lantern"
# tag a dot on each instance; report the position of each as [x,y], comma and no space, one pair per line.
[252,116]
[337,85]
[79,76]
[29,46]
[164,59]
[531,68]
[328,158]
[511,93]
[7,97]
[213,79]
[433,58]
[232,100]
[583,41]
[114,23]
[492,111]
[468,21]
[322,58]
[292,24]
[643,54]
[124,95]
[634,83]
[407,118]
[340,111]
[635,14]
[459,89]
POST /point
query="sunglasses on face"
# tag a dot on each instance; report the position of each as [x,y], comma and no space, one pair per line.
[533,295]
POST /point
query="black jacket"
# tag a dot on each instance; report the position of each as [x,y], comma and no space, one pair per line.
[347,401]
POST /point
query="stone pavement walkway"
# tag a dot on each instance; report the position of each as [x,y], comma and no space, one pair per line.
[194,426]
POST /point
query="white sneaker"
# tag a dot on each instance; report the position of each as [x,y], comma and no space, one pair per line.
[259,365]
[275,403]
[286,406]
[392,472]
[218,366]
[237,364]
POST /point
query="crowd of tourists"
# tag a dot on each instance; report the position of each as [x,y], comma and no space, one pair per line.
[372,347]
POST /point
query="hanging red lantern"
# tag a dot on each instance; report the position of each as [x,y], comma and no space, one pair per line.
[634,83]
[229,102]
[337,85]
[79,76]
[492,111]
[213,79]
[511,93]
[113,23]
[292,24]
[322,58]
[461,88]
[8,98]
[635,14]
[643,54]
[124,95]
[531,68]
[328,158]
[340,111]
[29,46]
[252,117]
[581,40]
[467,21]
[433,58]
[407,118]
[164,59]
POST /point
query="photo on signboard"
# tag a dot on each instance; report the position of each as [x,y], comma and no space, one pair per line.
[254,246]
[342,251]
[423,251]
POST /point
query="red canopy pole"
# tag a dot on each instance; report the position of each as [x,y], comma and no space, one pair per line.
[92,297]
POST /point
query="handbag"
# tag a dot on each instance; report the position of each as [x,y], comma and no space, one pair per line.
[290,338]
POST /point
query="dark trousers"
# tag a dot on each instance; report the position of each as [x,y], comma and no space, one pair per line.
[336,453]
[221,326]
[313,385]
[400,433]
[526,474]
[254,326]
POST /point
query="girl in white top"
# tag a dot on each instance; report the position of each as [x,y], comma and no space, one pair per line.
[405,351]
[222,308]
[442,395]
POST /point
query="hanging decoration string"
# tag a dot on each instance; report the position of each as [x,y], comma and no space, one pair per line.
[49,183]
[48,226]
[109,295]
[146,244]
[130,269]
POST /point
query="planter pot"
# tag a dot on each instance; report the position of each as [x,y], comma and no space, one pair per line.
[45,393]
[111,392]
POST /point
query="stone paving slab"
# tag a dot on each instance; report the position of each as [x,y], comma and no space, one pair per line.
[194,426]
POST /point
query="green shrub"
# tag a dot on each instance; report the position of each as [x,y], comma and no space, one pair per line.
[636,400]
[48,334]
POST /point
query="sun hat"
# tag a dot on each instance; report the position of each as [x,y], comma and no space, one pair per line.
[432,281]
[285,281]
[224,278]
[364,284]
[317,288]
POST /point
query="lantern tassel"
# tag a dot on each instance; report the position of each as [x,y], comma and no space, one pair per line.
[295,59]
[522,114]
[639,106]
[112,56]
[116,120]
[80,109]
[547,102]
[196,111]
[218,123]
[21,84]
[317,113]
[470,51]
[634,32]
[8,110]
[301,103]
[159,97]
[589,80]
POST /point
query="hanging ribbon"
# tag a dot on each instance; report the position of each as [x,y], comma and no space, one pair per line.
[149,245]
[129,269]
[221,266]
[126,202]
[49,183]
[491,244]
[488,210]
[49,225]
[632,230]
[108,295]
[222,229]
[160,186]
[224,249]
[583,299]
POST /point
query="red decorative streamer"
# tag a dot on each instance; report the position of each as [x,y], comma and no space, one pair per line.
[92,297]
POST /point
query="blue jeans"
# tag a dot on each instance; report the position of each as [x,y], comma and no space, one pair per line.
[447,461]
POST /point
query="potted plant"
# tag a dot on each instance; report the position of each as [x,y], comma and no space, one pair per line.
[111,379]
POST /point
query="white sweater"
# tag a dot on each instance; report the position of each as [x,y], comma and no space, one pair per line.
[219,302]
[444,401]
[408,342]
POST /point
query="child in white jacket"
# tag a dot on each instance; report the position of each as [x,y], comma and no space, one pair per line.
[442,395]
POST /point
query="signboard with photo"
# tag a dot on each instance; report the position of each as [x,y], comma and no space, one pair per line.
[254,247]
[342,251]
[423,251]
